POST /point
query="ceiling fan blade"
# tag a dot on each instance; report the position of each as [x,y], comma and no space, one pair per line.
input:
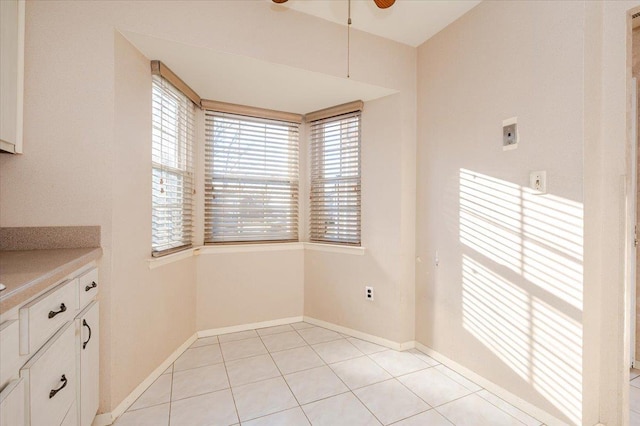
[383,4]
[282,1]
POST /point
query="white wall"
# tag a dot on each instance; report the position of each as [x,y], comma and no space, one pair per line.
[507,297]
[86,133]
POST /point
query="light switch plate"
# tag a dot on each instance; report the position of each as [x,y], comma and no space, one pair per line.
[510,134]
[538,181]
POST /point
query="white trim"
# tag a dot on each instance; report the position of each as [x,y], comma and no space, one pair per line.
[108,418]
[360,335]
[499,391]
[246,248]
[335,248]
[156,262]
[244,327]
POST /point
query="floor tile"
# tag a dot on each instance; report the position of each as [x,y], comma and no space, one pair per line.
[317,383]
[424,357]
[634,399]
[198,357]
[203,341]
[340,410]
[301,325]
[390,401]
[472,410]
[292,417]
[635,382]
[239,335]
[365,347]
[214,408]
[359,372]
[262,398]
[253,369]
[153,416]
[318,335]
[433,386]
[336,351]
[274,330]
[158,393]
[428,418]
[634,419]
[242,349]
[458,378]
[508,408]
[633,373]
[398,363]
[197,381]
[298,359]
[283,341]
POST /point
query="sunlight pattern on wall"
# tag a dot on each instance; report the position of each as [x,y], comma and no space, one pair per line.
[522,283]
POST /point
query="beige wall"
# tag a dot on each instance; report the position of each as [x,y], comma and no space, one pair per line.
[506,299]
[334,283]
[86,134]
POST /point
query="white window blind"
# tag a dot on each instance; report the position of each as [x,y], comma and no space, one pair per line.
[173,117]
[251,174]
[335,179]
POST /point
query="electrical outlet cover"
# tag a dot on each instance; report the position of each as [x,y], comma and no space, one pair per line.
[510,134]
[538,181]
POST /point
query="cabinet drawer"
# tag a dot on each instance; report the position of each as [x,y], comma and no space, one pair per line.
[43,316]
[88,287]
[12,404]
[50,379]
[9,351]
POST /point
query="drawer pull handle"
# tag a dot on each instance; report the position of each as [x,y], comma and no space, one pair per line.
[53,392]
[84,323]
[63,308]
[89,287]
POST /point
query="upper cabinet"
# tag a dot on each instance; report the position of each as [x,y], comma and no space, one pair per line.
[11,74]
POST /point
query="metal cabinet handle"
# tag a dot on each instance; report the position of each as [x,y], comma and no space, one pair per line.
[63,308]
[84,324]
[89,287]
[53,392]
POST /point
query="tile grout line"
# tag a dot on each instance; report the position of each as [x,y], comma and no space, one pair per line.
[284,379]
[233,398]
[170,397]
[509,414]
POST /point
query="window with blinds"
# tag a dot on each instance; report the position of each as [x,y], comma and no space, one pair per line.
[335,180]
[251,175]
[173,130]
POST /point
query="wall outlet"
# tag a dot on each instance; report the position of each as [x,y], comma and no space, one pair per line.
[368,293]
[510,134]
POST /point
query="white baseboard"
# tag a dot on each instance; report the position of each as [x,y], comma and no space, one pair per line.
[245,327]
[499,391]
[360,335]
[108,418]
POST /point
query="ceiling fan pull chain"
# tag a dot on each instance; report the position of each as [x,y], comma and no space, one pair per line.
[349,39]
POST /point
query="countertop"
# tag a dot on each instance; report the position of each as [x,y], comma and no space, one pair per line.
[26,273]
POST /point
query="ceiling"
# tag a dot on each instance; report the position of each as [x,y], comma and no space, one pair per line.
[410,22]
[243,80]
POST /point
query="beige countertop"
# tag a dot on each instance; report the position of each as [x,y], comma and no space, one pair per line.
[26,273]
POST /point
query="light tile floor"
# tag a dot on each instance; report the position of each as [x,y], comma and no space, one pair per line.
[300,374]
[634,397]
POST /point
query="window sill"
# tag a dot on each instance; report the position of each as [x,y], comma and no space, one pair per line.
[156,262]
[335,248]
[247,248]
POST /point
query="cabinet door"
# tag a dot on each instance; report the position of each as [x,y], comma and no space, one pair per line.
[87,323]
[12,404]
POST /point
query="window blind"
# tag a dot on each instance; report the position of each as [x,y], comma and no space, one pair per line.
[173,130]
[335,179]
[251,175]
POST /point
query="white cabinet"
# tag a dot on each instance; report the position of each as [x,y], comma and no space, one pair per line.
[50,379]
[88,355]
[54,380]
[12,15]
[12,404]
